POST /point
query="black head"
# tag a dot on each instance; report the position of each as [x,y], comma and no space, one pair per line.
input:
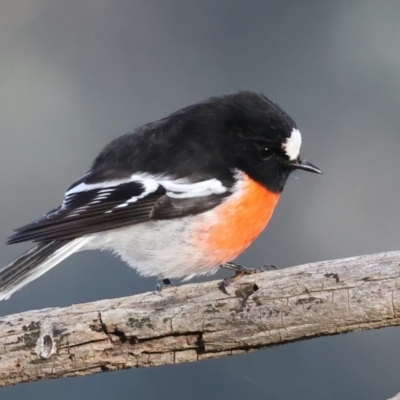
[244,131]
[265,142]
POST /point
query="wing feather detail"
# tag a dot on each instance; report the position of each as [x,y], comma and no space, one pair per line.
[94,205]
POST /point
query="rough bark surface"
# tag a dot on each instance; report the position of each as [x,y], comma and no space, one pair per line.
[197,321]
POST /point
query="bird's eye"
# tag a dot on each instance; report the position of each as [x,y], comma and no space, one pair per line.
[266,153]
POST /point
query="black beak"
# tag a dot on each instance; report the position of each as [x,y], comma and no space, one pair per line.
[306,166]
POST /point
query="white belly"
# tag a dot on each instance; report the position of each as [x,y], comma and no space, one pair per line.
[157,248]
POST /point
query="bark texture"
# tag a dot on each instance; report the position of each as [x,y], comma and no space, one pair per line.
[197,321]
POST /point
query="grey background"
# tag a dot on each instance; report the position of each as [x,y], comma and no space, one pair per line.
[75,74]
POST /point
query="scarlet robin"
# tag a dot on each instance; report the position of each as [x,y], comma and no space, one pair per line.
[176,198]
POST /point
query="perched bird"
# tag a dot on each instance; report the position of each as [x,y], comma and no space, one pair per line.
[176,198]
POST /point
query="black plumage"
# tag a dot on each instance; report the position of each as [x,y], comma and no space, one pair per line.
[191,138]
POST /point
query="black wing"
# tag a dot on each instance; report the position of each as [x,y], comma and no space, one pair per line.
[107,200]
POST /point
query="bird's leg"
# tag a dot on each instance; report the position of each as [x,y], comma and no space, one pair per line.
[166,283]
[241,271]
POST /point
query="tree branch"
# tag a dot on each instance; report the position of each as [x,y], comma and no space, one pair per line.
[197,321]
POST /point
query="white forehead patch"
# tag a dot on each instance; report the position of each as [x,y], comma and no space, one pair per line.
[292,144]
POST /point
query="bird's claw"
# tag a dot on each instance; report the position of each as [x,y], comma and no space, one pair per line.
[166,283]
[241,271]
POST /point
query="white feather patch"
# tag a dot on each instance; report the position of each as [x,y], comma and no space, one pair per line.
[180,190]
[293,144]
[177,188]
[84,187]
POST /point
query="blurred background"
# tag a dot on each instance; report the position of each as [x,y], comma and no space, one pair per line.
[75,74]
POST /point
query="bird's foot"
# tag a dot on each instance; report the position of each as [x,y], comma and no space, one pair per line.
[166,283]
[241,271]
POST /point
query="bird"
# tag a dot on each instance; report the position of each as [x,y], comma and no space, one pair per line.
[175,198]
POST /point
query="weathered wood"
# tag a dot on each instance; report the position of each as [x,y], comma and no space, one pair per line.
[197,321]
